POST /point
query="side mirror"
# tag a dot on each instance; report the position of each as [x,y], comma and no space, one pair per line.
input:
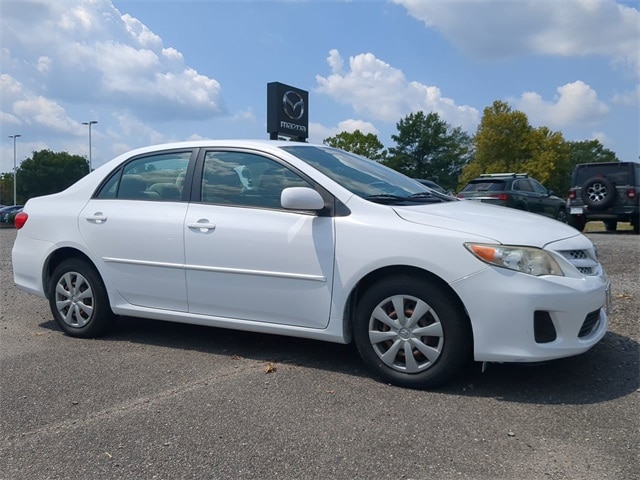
[301,198]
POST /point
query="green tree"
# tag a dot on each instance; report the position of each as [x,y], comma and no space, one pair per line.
[357,142]
[428,147]
[48,172]
[549,160]
[6,189]
[502,142]
[589,151]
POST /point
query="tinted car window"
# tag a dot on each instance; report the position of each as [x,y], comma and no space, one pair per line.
[156,177]
[618,173]
[485,186]
[538,187]
[245,179]
[363,177]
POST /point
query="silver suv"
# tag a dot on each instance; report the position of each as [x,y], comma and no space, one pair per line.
[605,191]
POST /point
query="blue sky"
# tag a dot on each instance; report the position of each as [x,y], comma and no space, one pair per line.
[157,71]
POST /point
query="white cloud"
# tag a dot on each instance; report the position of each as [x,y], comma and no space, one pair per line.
[318,132]
[45,112]
[139,31]
[44,64]
[132,127]
[601,137]
[115,58]
[22,107]
[375,89]
[575,104]
[499,28]
[630,98]
[351,125]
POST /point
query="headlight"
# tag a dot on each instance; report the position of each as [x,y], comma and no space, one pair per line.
[533,261]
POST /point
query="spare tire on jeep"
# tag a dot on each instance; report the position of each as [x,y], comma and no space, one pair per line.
[598,192]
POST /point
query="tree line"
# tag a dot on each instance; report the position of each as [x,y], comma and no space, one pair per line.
[428,147]
[425,147]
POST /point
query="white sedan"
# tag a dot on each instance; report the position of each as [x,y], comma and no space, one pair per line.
[310,241]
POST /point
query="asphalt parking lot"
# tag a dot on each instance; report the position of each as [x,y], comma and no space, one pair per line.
[155,400]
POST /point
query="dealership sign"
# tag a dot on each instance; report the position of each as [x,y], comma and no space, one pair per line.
[287,112]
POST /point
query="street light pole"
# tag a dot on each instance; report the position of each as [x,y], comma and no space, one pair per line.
[15,168]
[92,122]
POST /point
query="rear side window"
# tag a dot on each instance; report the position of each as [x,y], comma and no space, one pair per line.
[158,177]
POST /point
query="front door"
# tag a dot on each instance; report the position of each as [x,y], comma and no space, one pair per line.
[249,259]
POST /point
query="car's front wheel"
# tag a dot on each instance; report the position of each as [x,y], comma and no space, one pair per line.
[78,299]
[411,332]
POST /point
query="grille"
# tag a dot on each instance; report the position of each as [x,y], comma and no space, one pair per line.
[585,263]
[590,323]
[585,270]
[575,254]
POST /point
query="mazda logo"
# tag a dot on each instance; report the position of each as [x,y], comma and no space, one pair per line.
[293,105]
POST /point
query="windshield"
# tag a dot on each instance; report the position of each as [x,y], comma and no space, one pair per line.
[366,178]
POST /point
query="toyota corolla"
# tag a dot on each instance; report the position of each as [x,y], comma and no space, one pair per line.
[310,241]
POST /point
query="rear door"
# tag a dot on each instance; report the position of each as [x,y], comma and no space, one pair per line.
[135,226]
[246,257]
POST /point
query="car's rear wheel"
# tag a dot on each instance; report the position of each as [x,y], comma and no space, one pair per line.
[78,299]
[411,332]
[561,216]
[577,222]
[611,225]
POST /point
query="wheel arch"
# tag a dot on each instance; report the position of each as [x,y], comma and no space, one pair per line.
[56,258]
[396,270]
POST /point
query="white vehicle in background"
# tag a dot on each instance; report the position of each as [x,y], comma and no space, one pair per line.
[310,241]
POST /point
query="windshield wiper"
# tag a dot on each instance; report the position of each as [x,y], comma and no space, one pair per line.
[420,197]
[385,198]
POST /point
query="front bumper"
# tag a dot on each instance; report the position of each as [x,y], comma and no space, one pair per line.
[504,323]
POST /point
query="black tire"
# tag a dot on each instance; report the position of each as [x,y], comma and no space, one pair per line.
[611,225]
[561,215]
[635,223]
[440,340]
[78,299]
[598,193]
[577,222]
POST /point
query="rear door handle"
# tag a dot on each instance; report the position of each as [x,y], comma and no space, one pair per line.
[97,218]
[202,225]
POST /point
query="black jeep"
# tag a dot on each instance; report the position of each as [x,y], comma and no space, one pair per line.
[606,191]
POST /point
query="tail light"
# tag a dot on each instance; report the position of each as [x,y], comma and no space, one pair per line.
[20,220]
[572,194]
[631,193]
[500,196]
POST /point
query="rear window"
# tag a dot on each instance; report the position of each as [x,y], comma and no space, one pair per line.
[485,186]
[616,172]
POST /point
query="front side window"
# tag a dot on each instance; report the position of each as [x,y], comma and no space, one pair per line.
[157,177]
[245,179]
[539,188]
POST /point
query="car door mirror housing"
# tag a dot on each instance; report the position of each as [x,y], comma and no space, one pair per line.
[301,198]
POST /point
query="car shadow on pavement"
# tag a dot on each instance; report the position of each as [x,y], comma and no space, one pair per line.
[608,371]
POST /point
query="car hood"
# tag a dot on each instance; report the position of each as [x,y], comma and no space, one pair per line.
[497,224]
